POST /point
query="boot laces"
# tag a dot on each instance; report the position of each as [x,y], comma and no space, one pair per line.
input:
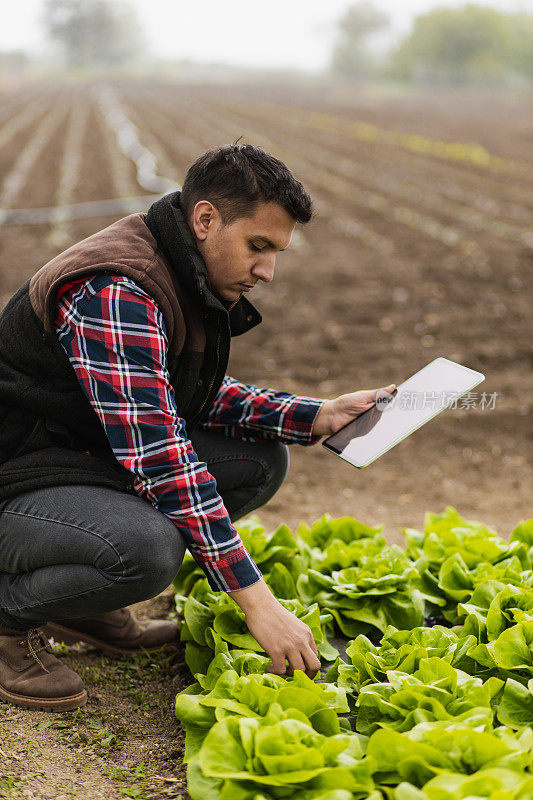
[35,640]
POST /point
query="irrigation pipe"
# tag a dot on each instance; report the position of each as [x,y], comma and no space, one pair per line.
[130,145]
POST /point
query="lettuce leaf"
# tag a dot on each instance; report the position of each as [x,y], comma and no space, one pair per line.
[429,749]
[281,750]
[512,650]
[379,592]
[516,706]
[436,691]
[523,533]
[497,784]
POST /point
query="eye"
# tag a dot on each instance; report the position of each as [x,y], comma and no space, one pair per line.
[255,248]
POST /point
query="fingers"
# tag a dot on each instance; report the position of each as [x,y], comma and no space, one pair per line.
[312,665]
[295,662]
[283,636]
[306,661]
[278,666]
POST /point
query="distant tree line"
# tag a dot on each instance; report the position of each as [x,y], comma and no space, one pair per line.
[452,46]
[474,44]
[94,33]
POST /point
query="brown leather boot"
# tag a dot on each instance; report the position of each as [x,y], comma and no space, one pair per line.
[115,632]
[32,677]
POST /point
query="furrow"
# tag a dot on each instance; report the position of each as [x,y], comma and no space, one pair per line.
[466,153]
[22,120]
[69,172]
[414,192]
[338,186]
[15,180]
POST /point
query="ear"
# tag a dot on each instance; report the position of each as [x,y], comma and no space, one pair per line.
[203,215]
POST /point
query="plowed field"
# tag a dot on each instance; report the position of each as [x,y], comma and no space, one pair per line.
[421,246]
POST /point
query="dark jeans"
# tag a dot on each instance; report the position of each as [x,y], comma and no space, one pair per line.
[74,551]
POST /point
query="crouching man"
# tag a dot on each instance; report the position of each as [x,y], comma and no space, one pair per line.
[122,439]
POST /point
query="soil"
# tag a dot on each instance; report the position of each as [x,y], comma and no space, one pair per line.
[126,742]
[411,255]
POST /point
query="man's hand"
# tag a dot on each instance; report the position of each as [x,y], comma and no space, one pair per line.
[280,634]
[334,414]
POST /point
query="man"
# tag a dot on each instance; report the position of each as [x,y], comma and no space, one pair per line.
[122,440]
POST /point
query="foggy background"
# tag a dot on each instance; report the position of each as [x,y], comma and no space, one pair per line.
[413,41]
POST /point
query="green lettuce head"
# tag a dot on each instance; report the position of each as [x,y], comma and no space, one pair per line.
[279,751]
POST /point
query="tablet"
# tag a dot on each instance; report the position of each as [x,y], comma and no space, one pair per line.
[394,416]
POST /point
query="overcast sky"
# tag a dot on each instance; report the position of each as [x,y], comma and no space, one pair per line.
[268,33]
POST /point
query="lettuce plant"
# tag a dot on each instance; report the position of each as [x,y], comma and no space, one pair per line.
[493,607]
[401,651]
[454,555]
[436,691]
[458,581]
[448,533]
[511,652]
[490,784]
[281,750]
[379,592]
[430,749]
[252,696]
[210,615]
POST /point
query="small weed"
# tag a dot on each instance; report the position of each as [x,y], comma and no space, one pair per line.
[126,775]
[11,783]
[22,741]
[82,727]
[93,676]
[136,792]
[60,648]
[69,787]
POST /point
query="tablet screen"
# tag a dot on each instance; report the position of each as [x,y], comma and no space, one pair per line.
[415,402]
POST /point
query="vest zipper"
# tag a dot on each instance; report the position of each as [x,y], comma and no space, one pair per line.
[213,379]
[216,367]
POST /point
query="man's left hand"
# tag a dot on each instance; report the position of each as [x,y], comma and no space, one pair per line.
[334,414]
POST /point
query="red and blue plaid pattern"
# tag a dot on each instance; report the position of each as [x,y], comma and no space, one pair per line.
[115,338]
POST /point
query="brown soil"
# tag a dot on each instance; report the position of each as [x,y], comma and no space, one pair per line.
[125,743]
[350,307]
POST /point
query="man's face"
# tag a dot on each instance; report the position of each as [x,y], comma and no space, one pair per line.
[240,254]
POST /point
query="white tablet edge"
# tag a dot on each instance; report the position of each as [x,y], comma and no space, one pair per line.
[478,379]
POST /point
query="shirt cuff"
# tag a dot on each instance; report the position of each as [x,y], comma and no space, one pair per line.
[228,573]
[301,417]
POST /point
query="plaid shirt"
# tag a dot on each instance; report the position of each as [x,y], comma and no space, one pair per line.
[115,338]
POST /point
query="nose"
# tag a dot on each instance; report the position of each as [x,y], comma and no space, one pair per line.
[264,267]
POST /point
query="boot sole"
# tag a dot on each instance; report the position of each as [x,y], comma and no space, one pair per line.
[44,703]
[60,634]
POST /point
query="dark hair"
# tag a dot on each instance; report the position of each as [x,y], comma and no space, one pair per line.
[237,177]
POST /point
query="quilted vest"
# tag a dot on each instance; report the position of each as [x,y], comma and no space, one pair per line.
[49,433]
